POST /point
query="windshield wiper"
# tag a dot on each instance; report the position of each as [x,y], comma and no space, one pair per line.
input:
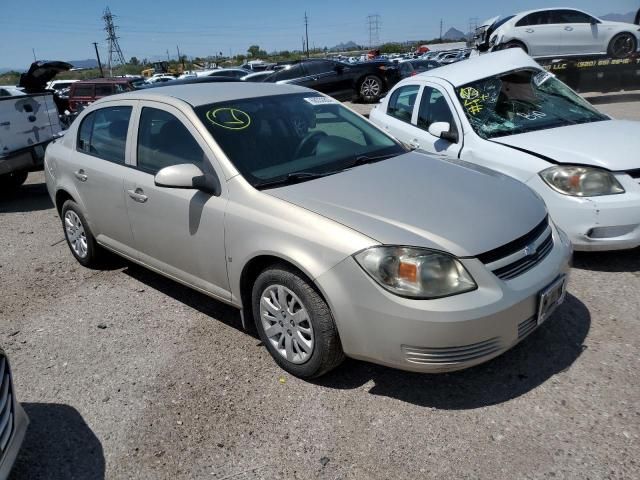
[362,159]
[291,178]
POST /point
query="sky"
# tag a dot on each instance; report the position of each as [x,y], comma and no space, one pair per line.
[65,29]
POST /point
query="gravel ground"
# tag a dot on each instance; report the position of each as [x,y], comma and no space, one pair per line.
[125,374]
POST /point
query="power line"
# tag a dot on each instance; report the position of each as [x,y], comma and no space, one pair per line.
[115,52]
[374,23]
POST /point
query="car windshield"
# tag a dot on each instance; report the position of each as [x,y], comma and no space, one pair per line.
[523,101]
[274,138]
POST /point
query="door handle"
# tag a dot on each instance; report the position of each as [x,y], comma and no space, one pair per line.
[529,30]
[414,144]
[80,175]
[568,29]
[138,195]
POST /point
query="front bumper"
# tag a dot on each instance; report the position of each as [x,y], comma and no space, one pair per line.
[608,222]
[8,456]
[462,330]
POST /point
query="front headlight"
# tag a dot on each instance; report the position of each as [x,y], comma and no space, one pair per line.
[581,181]
[416,272]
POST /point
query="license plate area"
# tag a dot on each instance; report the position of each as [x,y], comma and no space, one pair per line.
[550,298]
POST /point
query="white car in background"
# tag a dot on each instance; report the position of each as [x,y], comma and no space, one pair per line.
[553,32]
[504,112]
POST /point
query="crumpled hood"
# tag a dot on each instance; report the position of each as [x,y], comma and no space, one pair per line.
[610,144]
[420,200]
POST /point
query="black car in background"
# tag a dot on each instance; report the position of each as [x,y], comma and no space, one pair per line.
[365,81]
[414,67]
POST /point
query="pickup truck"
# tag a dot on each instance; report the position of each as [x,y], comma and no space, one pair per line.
[27,124]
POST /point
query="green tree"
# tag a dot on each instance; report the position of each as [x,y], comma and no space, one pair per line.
[134,61]
[253,51]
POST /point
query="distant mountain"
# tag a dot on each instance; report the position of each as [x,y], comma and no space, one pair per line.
[88,63]
[620,17]
[345,47]
[454,34]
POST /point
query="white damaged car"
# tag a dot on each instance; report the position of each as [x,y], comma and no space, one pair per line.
[503,111]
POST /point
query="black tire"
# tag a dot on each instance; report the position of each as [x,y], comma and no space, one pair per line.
[622,45]
[327,351]
[94,253]
[515,44]
[11,181]
[370,89]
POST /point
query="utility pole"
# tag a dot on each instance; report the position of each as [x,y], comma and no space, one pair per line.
[115,52]
[168,59]
[34,54]
[180,59]
[440,30]
[95,45]
[306,30]
[374,23]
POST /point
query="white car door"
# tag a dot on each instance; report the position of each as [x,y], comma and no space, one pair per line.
[177,231]
[578,32]
[538,34]
[399,113]
[431,105]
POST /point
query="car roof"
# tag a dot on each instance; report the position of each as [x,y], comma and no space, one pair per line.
[548,9]
[205,93]
[482,66]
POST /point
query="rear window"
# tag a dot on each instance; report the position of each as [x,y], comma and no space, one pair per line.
[103,133]
[104,90]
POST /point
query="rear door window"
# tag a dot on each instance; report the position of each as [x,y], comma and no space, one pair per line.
[83,90]
[104,90]
[402,102]
[569,16]
[535,18]
[163,140]
[103,133]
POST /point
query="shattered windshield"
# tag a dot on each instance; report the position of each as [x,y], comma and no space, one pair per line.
[523,101]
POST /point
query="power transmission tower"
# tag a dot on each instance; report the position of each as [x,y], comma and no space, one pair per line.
[306,32]
[374,24]
[115,52]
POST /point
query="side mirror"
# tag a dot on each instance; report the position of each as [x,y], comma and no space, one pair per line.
[443,130]
[187,175]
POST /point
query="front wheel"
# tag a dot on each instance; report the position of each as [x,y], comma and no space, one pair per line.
[295,323]
[11,181]
[622,45]
[371,89]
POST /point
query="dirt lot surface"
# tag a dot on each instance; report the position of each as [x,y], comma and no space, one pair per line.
[125,374]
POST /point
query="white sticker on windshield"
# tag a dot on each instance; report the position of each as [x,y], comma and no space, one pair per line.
[321,100]
[542,77]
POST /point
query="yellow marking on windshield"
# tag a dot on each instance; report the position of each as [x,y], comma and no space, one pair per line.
[229,118]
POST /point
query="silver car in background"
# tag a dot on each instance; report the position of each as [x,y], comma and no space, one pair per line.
[13,420]
[330,237]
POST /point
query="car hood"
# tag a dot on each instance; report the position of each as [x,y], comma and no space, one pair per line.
[420,200]
[610,144]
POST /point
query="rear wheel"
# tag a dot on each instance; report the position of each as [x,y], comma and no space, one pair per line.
[516,44]
[370,89]
[295,323]
[622,45]
[11,181]
[79,238]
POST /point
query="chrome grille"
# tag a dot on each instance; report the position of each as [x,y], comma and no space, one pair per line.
[525,263]
[450,355]
[6,404]
[520,255]
[526,327]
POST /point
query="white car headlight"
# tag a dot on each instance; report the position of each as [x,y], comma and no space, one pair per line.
[581,181]
[416,272]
